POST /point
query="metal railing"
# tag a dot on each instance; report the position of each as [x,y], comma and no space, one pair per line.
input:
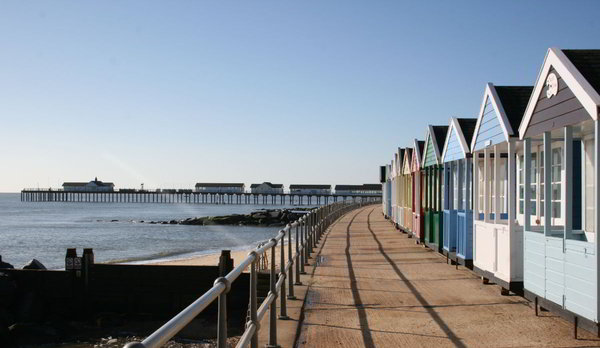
[308,230]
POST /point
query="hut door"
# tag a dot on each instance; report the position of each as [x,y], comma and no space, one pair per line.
[495,260]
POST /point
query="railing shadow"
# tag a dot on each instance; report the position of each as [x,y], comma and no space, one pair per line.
[362,313]
[434,315]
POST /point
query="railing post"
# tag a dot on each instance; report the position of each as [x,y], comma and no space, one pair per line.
[303,260]
[222,316]
[253,306]
[305,240]
[282,297]
[299,259]
[273,307]
[291,262]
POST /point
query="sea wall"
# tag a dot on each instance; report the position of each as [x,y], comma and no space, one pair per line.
[45,303]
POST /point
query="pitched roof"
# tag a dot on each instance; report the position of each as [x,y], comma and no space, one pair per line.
[268,184]
[316,187]
[216,184]
[514,100]
[79,184]
[439,134]
[467,125]
[588,64]
[421,145]
[401,153]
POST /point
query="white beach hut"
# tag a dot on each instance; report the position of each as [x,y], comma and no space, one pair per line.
[497,234]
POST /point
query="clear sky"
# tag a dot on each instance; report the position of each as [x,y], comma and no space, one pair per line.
[169,93]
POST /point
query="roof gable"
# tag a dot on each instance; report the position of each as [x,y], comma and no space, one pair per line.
[417,155]
[571,76]
[435,136]
[455,146]
[500,114]
[406,168]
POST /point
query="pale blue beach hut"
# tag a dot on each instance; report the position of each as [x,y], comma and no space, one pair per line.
[561,137]
[458,213]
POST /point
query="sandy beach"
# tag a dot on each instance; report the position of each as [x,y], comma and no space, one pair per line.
[213,258]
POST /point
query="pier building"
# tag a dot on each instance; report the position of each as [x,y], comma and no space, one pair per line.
[211,187]
[92,186]
[266,187]
[310,189]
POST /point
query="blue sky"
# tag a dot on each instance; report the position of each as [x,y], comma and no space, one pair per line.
[169,93]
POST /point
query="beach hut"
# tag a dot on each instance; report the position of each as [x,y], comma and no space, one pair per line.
[561,140]
[432,168]
[498,236]
[456,195]
[407,199]
[382,182]
[417,180]
[399,188]
[394,190]
[388,191]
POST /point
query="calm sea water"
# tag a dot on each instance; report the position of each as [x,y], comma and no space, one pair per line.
[45,230]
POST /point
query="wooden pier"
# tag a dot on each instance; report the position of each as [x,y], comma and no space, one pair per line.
[187,196]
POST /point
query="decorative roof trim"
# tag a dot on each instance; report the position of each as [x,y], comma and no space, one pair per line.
[490,92]
[581,88]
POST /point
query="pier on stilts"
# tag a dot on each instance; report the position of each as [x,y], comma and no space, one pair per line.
[188,196]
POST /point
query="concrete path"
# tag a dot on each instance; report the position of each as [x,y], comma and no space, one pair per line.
[374,287]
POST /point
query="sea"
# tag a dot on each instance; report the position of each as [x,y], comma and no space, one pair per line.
[115,231]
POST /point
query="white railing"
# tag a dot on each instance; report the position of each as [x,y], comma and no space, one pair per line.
[308,230]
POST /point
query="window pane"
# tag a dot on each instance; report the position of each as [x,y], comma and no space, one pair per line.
[521,192]
[556,209]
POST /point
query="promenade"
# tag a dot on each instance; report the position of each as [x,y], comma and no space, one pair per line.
[372,286]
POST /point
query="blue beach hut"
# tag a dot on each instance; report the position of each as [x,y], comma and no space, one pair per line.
[458,214]
[561,140]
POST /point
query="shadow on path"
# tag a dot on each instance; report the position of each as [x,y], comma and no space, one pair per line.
[451,335]
[362,314]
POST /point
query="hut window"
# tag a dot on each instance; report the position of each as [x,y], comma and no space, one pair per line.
[556,182]
[535,179]
[480,176]
[521,186]
[503,186]
[491,188]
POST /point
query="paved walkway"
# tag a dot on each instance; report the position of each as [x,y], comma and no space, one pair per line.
[374,287]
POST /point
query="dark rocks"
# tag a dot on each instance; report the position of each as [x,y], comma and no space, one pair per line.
[34,264]
[4,265]
[267,217]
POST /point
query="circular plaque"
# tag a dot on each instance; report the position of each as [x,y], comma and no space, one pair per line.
[552,84]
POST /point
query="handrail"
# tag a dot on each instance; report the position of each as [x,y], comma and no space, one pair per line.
[308,230]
